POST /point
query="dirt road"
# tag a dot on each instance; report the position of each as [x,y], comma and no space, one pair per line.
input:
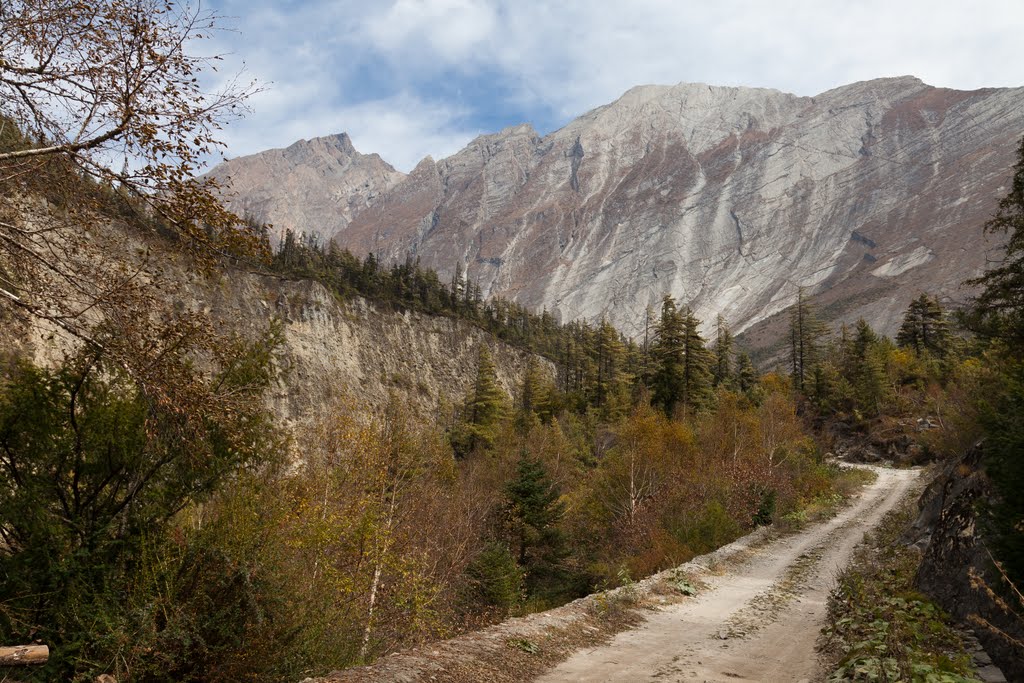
[757,621]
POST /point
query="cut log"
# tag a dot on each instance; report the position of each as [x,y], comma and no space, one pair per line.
[23,655]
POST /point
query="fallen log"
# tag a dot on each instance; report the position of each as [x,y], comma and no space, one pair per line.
[24,655]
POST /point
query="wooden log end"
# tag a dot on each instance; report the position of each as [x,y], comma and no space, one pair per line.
[24,655]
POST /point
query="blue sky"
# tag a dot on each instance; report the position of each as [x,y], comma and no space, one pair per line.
[408,78]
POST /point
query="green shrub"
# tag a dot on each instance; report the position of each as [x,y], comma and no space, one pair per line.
[495,577]
[95,469]
[765,509]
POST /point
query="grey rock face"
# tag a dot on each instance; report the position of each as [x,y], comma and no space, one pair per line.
[729,198]
[313,186]
[956,567]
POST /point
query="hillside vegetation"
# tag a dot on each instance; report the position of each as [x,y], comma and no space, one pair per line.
[159,523]
[159,530]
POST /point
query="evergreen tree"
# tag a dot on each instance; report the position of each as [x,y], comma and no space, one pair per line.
[864,367]
[287,253]
[667,356]
[746,374]
[925,328]
[723,372]
[536,403]
[682,371]
[1003,420]
[864,338]
[609,383]
[495,577]
[697,365]
[805,334]
[1002,298]
[646,368]
[535,510]
[1000,307]
[483,411]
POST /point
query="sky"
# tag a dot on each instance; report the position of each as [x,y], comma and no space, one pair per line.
[411,78]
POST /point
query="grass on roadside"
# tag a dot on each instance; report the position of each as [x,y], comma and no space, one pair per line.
[879,627]
[846,482]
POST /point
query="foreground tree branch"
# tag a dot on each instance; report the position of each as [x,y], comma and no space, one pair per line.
[111,87]
[105,117]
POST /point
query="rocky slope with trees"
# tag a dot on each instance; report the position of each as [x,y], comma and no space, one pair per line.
[730,199]
[211,449]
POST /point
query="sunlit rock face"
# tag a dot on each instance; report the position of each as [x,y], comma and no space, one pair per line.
[729,198]
[313,186]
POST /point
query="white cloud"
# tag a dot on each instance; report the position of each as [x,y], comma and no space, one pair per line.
[368,68]
[451,29]
[405,129]
[585,54]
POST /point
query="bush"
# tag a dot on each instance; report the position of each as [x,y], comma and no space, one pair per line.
[765,509]
[496,579]
[95,469]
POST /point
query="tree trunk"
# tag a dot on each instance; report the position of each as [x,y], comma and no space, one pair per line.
[381,553]
[364,648]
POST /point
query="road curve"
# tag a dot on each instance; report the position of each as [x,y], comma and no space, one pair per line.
[758,621]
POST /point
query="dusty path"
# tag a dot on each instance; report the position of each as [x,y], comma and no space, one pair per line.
[756,622]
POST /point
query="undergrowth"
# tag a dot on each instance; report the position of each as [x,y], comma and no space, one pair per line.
[846,482]
[879,627]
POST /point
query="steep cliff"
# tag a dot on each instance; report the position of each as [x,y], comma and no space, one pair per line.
[355,350]
[729,198]
[351,351]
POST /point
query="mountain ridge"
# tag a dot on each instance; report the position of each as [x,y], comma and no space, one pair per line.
[730,198]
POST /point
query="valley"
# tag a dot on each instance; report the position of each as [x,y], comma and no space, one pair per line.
[709,382]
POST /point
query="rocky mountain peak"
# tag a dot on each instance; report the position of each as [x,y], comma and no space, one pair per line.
[339,144]
[312,186]
[730,198]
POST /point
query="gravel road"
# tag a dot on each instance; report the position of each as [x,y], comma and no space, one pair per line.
[754,621]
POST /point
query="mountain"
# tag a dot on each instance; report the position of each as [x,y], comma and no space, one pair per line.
[312,186]
[729,198]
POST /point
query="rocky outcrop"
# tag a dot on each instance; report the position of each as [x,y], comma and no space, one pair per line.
[956,568]
[358,352]
[729,198]
[349,354]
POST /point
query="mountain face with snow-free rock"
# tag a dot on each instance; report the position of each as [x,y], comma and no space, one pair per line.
[729,198]
[313,186]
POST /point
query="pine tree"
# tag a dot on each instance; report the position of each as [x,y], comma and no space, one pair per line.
[746,374]
[536,398]
[667,356]
[697,364]
[483,411]
[487,403]
[1001,309]
[925,328]
[495,577]
[535,510]
[805,334]
[608,380]
[1002,298]
[864,368]
[646,369]
[682,363]
[723,371]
